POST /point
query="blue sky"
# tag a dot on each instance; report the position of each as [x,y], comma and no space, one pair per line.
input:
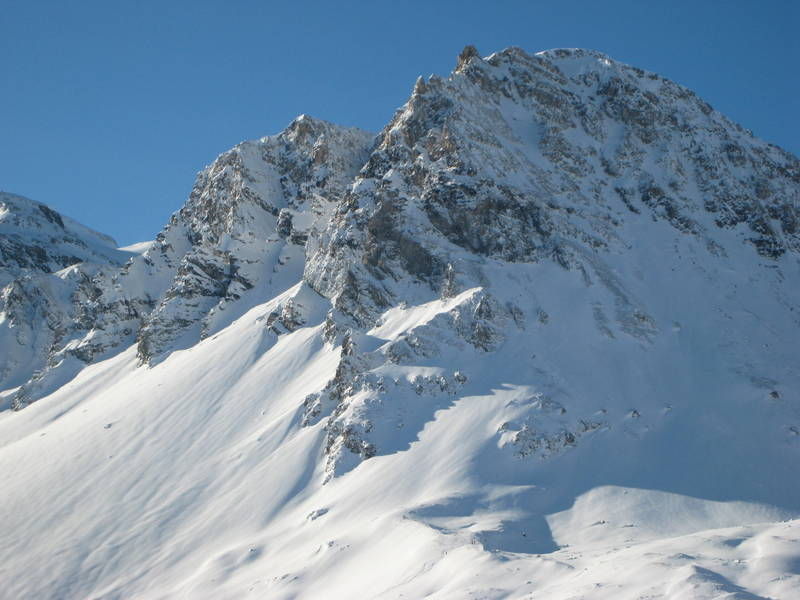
[109,109]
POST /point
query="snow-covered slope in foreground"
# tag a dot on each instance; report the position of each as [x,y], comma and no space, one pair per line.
[542,344]
[195,479]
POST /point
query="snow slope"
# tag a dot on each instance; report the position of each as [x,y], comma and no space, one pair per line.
[194,479]
[537,340]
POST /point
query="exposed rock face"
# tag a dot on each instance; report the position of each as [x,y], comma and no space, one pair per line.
[531,157]
[245,226]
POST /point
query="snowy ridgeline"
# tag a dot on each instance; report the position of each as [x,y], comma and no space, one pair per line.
[538,336]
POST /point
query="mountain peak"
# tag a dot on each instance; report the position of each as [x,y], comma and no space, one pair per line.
[304,127]
[467,54]
[530,157]
[544,326]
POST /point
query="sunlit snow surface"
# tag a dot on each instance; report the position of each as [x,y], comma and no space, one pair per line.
[194,478]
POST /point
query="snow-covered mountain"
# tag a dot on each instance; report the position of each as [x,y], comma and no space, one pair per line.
[44,257]
[241,233]
[36,239]
[537,337]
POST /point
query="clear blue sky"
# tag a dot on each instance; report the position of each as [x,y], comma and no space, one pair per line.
[109,108]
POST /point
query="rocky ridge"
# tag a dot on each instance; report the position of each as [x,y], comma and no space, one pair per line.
[530,157]
[243,229]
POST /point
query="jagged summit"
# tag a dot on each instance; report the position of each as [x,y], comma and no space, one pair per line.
[536,335]
[524,157]
[468,53]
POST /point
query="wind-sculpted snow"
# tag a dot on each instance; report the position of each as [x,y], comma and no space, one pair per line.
[536,338]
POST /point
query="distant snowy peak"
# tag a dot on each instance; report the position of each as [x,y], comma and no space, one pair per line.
[36,239]
[45,258]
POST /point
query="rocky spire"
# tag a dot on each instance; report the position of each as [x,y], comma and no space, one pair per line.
[468,53]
